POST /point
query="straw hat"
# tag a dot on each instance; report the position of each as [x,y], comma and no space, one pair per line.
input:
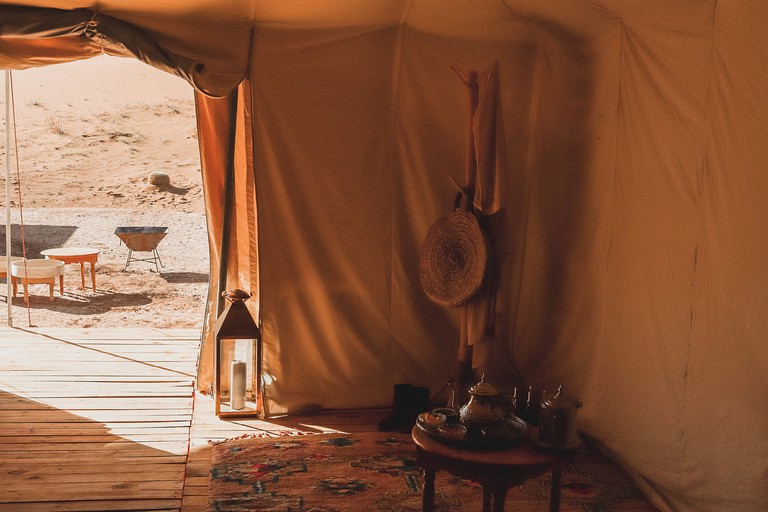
[453,259]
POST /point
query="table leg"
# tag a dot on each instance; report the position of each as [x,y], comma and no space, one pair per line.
[554,491]
[51,284]
[494,497]
[487,499]
[82,274]
[428,495]
[26,291]
[93,275]
[499,496]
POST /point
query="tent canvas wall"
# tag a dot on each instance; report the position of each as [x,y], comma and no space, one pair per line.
[635,136]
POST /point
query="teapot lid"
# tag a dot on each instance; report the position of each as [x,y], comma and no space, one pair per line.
[483,388]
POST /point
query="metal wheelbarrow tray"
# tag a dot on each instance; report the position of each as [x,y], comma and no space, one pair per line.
[142,239]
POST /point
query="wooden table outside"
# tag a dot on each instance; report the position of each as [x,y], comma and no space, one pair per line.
[495,470]
[81,255]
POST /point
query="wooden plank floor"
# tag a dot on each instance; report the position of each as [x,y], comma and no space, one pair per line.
[95,419]
[106,419]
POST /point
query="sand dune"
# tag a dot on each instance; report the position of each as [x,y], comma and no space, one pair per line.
[89,133]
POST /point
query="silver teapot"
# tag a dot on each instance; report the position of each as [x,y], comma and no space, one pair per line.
[481,409]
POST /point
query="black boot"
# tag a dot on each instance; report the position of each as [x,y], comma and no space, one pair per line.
[401,408]
[419,403]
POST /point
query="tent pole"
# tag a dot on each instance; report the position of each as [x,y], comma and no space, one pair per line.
[8,277]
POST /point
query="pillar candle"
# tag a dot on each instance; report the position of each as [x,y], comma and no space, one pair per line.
[237,385]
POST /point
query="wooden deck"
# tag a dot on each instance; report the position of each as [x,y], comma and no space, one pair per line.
[104,419]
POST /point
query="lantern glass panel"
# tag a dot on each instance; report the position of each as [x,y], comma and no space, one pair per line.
[237,390]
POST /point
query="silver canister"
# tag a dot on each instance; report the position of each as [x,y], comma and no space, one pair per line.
[558,421]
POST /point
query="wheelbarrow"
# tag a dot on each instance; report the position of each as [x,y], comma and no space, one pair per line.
[142,239]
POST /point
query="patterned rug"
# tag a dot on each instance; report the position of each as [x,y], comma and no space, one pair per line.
[377,471]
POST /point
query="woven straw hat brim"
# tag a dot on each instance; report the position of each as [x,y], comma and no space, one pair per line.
[453,259]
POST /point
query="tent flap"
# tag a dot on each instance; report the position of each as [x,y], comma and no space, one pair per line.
[87,34]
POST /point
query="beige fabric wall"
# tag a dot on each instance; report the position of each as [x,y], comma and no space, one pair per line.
[633,140]
[634,229]
[324,146]
[684,325]
[358,133]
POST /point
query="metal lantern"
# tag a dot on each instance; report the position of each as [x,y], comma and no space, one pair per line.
[237,359]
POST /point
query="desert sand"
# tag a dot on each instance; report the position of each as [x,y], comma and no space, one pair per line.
[88,134]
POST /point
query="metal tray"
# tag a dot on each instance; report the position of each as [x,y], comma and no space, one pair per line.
[498,437]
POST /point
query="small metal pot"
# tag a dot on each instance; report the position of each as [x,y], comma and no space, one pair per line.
[558,421]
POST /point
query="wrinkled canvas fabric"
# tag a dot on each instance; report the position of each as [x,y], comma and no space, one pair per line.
[633,234]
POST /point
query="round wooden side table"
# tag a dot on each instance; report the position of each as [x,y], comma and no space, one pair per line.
[81,255]
[495,470]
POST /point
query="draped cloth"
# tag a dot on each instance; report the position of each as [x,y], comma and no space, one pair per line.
[35,36]
[492,181]
[490,196]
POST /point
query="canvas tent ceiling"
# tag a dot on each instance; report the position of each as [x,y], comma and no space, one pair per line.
[635,135]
